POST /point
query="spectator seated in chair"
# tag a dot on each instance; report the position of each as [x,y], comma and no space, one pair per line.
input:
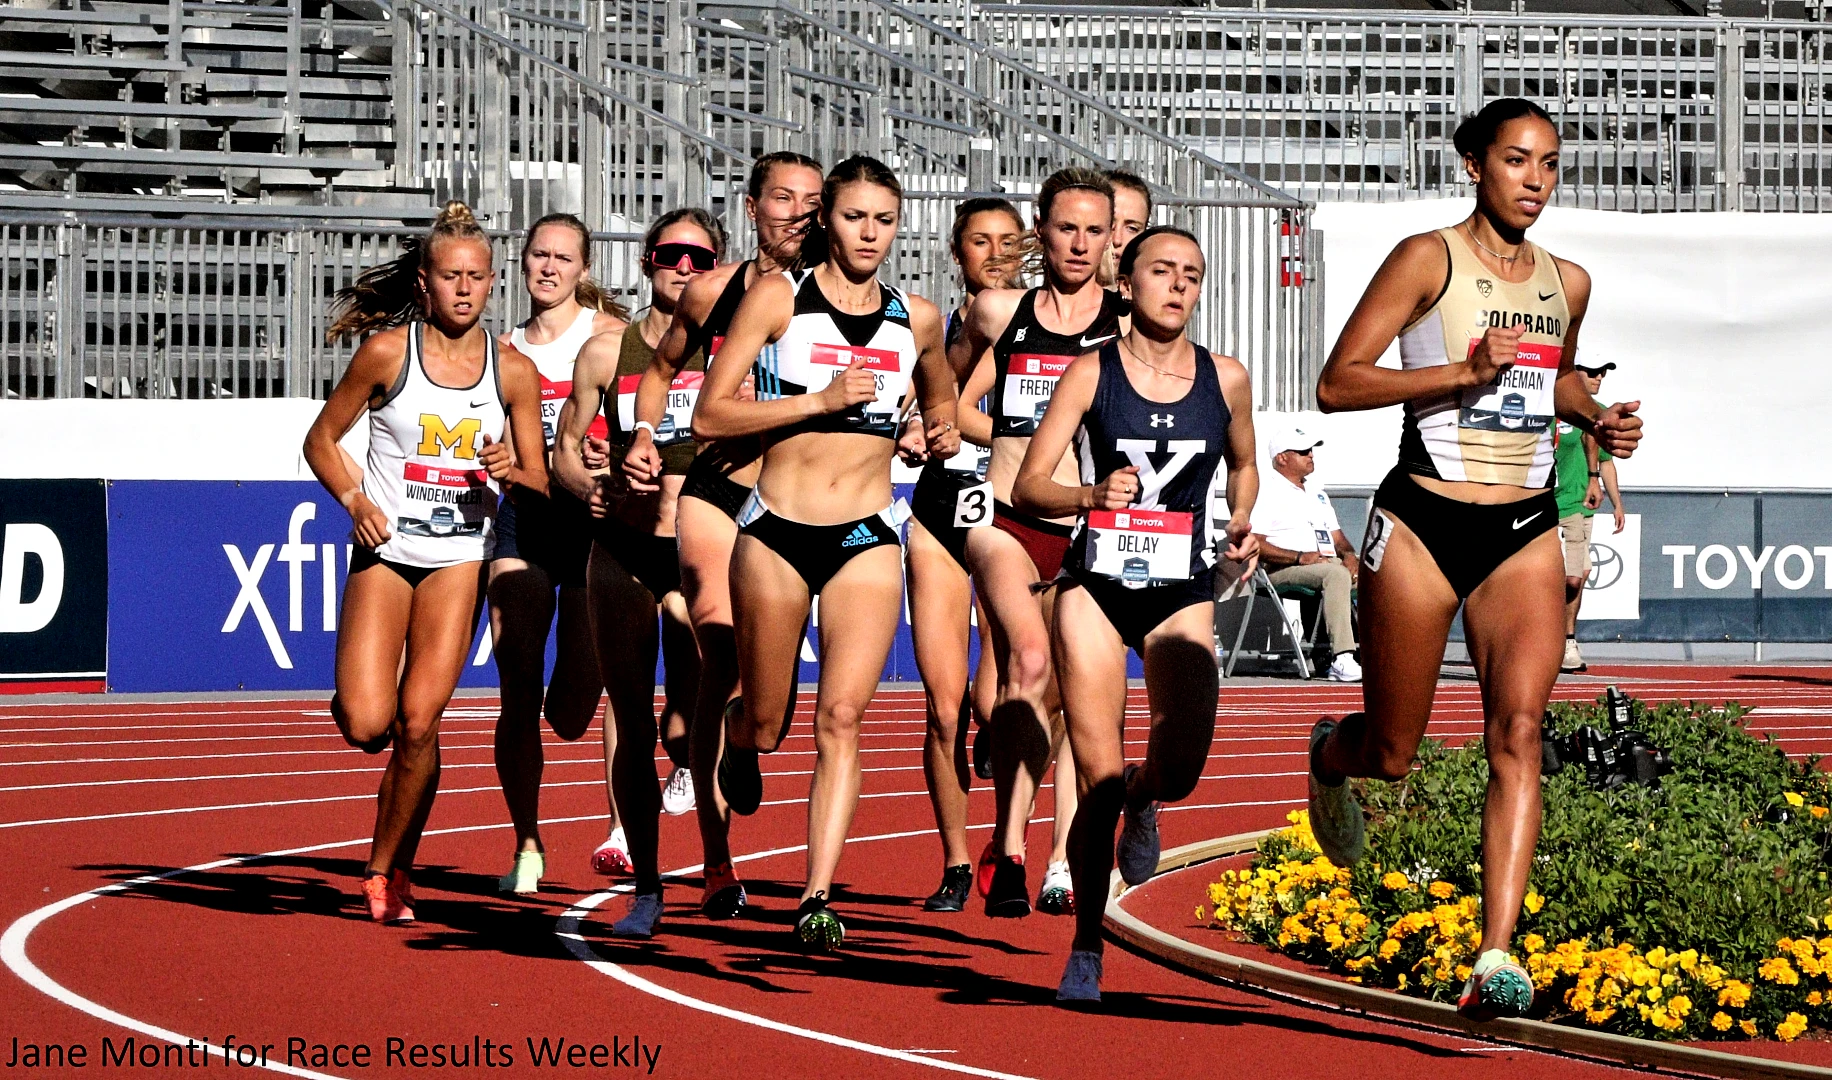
[1302,546]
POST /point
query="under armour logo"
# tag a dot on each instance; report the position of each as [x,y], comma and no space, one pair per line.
[1167,420]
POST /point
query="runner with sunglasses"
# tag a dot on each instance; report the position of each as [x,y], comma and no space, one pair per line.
[820,521]
[541,548]
[951,498]
[783,192]
[1487,323]
[1021,342]
[1155,415]
[635,571]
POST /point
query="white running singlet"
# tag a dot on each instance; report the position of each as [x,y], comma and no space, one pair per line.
[554,361]
[1501,433]
[422,469]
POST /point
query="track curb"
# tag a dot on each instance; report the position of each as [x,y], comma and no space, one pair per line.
[1334,994]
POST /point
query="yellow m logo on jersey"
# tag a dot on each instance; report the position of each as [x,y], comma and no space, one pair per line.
[461,440]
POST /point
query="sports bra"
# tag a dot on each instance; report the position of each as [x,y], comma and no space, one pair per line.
[1500,433]
[822,341]
[1029,358]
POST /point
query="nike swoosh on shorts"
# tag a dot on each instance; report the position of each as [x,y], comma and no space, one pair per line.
[1526,519]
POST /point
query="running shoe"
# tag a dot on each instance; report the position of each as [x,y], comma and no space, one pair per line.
[740,780]
[956,883]
[1343,668]
[1009,896]
[817,926]
[524,876]
[1057,895]
[1573,662]
[1496,987]
[677,793]
[645,912]
[403,888]
[724,896]
[1138,847]
[982,752]
[1335,816]
[1081,978]
[613,856]
[385,904]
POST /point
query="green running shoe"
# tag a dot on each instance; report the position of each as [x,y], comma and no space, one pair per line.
[817,926]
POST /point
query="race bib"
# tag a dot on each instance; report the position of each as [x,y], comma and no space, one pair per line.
[677,420]
[1029,382]
[553,395]
[973,507]
[1326,546]
[1521,397]
[443,502]
[1140,547]
[886,367]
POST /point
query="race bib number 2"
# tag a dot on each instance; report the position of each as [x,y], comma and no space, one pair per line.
[1140,547]
[1521,397]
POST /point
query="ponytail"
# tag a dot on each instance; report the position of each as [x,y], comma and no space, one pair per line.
[389,294]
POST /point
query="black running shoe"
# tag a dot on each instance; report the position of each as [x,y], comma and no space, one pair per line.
[982,753]
[817,926]
[1009,897]
[740,780]
[956,883]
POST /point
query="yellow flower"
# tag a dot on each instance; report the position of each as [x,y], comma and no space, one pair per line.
[1533,943]
[1533,902]
[1817,811]
[1816,998]
[1734,994]
[1790,1029]
[1748,1028]
[1793,799]
[1201,916]
[1443,890]
[1722,1021]
[1776,969]
[1396,881]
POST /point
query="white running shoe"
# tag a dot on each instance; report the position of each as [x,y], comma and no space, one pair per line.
[1057,895]
[1344,668]
[677,794]
[1573,662]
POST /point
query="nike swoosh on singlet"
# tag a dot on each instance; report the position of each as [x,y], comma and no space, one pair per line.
[1526,519]
[1549,295]
[1086,344]
[1480,417]
[478,404]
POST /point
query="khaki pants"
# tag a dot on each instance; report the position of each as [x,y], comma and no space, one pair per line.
[1333,581]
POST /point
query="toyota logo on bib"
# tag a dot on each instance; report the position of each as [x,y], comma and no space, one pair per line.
[1605,566]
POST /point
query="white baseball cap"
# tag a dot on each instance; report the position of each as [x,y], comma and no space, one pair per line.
[1291,438]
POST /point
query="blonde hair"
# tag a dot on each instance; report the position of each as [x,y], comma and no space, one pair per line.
[389,294]
[588,293]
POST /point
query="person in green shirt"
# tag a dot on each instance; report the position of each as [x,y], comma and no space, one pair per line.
[1579,466]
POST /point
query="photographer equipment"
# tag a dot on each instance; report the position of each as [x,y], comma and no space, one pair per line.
[1610,758]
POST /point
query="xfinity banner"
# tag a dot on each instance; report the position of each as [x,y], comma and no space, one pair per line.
[53,585]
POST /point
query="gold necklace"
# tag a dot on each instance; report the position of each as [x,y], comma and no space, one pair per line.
[1154,367]
[1470,227]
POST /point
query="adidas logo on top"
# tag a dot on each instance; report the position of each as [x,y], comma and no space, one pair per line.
[895,309]
[861,534]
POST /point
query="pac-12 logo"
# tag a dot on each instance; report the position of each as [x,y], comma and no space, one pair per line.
[460,440]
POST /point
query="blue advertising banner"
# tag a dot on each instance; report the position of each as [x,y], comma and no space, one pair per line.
[53,586]
[217,585]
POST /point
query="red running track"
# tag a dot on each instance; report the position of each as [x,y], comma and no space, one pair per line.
[268,949]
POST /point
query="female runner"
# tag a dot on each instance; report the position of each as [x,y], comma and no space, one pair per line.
[634,569]
[951,498]
[1022,342]
[439,393]
[541,545]
[1131,216]
[1158,414]
[1488,325]
[784,191]
[847,349]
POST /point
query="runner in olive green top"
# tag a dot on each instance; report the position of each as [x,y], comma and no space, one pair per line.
[1579,465]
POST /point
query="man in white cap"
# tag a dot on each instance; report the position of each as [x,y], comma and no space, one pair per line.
[1301,541]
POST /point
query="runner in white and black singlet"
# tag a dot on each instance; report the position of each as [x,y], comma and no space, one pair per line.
[783,193]
[848,348]
[1155,417]
[1020,343]
[439,394]
[1487,324]
[951,499]
[541,548]
[635,571]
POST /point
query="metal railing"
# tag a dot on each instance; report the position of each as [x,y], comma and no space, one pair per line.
[1657,114]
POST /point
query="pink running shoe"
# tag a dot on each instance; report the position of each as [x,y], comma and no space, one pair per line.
[613,856]
[385,905]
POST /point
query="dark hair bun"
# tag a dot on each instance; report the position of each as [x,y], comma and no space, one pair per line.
[1477,133]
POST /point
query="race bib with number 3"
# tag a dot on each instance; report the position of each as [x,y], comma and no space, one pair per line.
[973,507]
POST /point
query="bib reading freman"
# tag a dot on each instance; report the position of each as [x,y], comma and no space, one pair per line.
[1501,432]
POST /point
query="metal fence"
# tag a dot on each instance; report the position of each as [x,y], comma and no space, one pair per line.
[1657,114]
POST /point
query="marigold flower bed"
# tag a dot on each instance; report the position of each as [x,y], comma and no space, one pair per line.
[1692,910]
